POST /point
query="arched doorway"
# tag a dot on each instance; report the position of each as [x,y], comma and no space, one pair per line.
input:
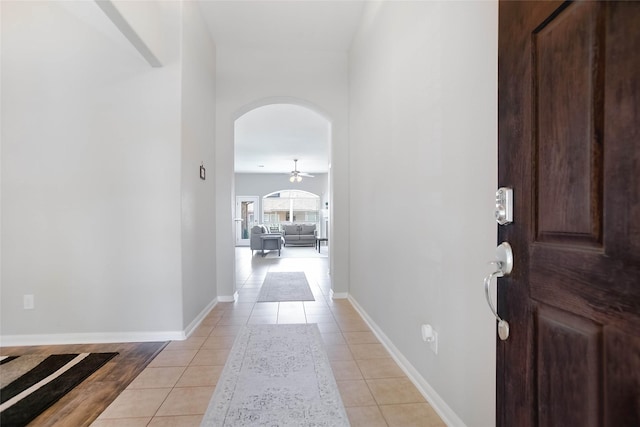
[271,141]
[334,198]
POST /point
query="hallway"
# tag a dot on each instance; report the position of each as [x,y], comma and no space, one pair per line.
[176,387]
[122,228]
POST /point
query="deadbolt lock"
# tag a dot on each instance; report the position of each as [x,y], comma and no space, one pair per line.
[504,206]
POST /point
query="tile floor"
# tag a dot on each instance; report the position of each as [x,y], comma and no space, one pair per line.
[175,389]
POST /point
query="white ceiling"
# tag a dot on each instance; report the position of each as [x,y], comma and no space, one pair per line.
[273,136]
[269,138]
[292,24]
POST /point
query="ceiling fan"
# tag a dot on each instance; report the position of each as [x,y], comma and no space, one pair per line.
[296,175]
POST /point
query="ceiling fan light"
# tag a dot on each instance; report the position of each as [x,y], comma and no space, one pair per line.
[292,178]
[298,178]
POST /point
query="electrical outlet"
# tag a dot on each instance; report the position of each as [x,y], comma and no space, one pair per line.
[429,335]
[28,302]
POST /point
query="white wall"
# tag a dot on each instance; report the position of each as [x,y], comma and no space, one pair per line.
[198,147]
[423,150]
[248,79]
[142,24]
[95,210]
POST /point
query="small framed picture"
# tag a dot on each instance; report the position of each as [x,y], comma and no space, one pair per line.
[203,172]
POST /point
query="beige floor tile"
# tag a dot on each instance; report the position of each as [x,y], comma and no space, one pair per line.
[234,320]
[243,311]
[218,343]
[271,319]
[186,401]
[246,298]
[412,414]
[208,357]
[291,307]
[200,376]
[344,304]
[318,308]
[219,307]
[240,308]
[328,327]
[226,330]
[136,403]
[345,370]
[355,393]
[338,352]
[380,368]
[292,313]
[173,358]
[361,337]
[121,422]
[345,313]
[211,320]
[202,331]
[319,318]
[158,377]
[255,286]
[222,306]
[191,343]
[265,308]
[244,305]
[289,319]
[369,351]
[333,339]
[177,421]
[365,416]
[390,391]
[354,325]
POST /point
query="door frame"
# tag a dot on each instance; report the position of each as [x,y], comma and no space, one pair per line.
[240,241]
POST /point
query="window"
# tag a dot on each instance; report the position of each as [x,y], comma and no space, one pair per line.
[284,205]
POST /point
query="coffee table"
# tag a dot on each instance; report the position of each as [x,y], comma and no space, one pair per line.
[270,241]
[321,239]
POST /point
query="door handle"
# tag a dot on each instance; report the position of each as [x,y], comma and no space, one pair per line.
[504,265]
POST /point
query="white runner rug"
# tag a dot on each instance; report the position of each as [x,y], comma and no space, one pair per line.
[277,376]
[285,286]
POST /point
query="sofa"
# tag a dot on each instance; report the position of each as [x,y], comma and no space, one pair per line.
[304,234]
[255,241]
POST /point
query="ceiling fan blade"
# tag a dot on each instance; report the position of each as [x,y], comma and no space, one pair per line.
[305,174]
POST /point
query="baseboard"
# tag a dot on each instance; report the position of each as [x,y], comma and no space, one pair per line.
[106,337]
[199,318]
[338,295]
[449,417]
[90,338]
[227,298]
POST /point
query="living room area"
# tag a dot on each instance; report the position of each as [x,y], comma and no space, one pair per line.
[279,236]
[281,177]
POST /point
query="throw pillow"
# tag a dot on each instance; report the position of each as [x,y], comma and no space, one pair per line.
[307,229]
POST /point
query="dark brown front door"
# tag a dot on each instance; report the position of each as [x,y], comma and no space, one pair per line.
[569,145]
